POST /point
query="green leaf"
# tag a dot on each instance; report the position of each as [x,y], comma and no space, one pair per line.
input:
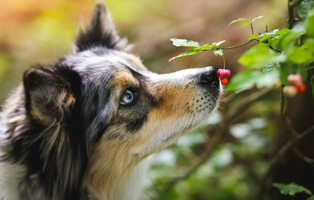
[268,35]
[270,66]
[218,52]
[257,56]
[267,79]
[309,23]
[188,53]
[245,24]
[220,42]
[310,198]
[299,55]
[276,41]
[206,47]
[291,189]
[303,7]
[256,18]
[238,20]
[184,43]
[252,37]
[243,81]
[309,44]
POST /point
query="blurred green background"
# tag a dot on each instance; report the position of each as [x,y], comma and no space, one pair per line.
[35,31]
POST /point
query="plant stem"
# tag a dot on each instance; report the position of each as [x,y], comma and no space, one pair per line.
[252,28]
[226,48]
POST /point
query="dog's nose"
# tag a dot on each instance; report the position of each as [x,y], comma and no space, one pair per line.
[209,76]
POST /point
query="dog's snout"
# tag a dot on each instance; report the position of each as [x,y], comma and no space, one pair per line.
[208,76]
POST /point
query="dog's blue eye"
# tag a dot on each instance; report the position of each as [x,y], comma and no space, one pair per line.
[127,97]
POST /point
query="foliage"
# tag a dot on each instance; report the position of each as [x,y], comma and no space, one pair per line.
[292,189]
[279,53]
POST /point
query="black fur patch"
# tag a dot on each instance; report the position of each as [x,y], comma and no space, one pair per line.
[136,124]
[101,32]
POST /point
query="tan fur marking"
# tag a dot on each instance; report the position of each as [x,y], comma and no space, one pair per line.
[123,79]
[137,61]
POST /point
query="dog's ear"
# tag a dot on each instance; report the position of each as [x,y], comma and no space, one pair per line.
[51,93]
[100,32]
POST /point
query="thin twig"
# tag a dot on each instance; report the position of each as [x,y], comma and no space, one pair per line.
[303,157]
[252,28]
[238,109]
[226,48]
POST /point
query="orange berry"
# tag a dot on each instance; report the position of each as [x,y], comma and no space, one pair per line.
[301,87]
[224,81]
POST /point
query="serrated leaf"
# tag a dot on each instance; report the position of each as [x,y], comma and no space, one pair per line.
[188,53]
[184,43]
[238,20]
[256,18]
[252,37]
[245,24]
[218,52]
[291,189]
[220,42]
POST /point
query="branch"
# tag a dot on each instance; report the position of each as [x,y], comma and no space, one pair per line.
[291,19]
[294,3]
[246,103]
[284,150]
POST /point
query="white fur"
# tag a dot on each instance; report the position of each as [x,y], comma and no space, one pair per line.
[10,177]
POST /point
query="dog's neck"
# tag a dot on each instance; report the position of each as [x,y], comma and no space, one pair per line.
[129,188]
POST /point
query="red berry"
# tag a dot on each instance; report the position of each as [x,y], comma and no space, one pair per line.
[227,72]
[218,72]
[224,81]
[223,72]
[301,87]
[220,77]
[295,79]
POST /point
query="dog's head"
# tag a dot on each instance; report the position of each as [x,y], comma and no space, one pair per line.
[99,111]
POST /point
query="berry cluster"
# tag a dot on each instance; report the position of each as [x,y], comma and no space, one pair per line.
[222,74]
[296,85]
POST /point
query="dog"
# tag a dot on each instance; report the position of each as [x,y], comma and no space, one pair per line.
[83,127]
